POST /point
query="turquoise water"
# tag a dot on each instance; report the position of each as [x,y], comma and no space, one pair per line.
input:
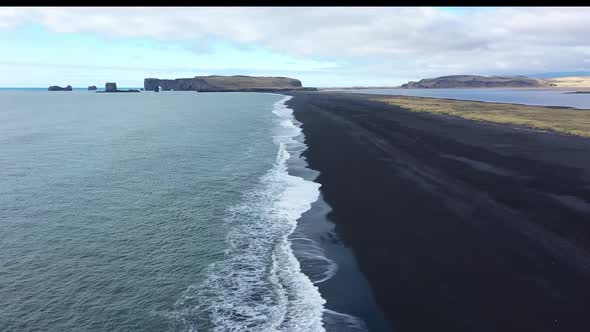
[519,96]
[152,212]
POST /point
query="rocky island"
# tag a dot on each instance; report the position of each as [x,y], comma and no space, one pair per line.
[217,83]
[92,88]
[112,88]
[474,81]
[59,88]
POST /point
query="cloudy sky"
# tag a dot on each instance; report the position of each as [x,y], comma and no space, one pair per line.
[321,46]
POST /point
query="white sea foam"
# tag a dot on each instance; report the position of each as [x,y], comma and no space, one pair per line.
[314,262]
[259,285]
[336,321]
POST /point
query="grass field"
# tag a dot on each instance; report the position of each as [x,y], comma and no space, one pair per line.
[558,119]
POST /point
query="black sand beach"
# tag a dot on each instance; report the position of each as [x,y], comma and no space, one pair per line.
[457,225]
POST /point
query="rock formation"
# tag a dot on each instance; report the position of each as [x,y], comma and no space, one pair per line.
[110,87]
[92,87]
[59,88]
[224,83]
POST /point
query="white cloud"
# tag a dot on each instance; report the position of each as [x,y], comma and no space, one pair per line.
[11,17]
[412,42]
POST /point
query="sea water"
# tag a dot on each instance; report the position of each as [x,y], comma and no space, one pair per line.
[170,211]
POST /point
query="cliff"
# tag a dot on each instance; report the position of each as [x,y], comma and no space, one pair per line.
[224,83]
[473,81]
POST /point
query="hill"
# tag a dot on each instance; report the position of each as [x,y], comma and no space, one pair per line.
[474,81]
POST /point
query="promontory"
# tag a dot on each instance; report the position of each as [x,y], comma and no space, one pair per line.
[217,83]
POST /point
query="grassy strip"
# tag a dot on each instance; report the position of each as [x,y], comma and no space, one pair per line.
[563,120]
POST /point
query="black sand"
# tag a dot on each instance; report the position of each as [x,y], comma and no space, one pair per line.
[457,225]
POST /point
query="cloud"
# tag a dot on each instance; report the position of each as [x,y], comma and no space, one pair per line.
[11,17]
[424,41]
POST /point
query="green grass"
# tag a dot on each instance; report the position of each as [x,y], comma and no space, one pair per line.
[563,120]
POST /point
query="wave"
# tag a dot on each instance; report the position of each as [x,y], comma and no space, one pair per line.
[336,321]
[259,285]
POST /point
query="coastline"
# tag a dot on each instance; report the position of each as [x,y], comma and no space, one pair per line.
[525,97]
[457,225]
[329,265]
[259,283]
[471,101]
[332,266]
[557,119]
[555,88]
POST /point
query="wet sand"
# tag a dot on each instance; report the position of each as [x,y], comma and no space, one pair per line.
[333,267]
[457,225]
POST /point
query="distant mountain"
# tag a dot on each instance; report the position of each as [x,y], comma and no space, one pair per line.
[474,81]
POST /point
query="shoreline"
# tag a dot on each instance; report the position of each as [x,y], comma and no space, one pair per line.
[330,265]
[423,200]
[354,310]
[558,88]
[473,101]
[529,98]
[555,119]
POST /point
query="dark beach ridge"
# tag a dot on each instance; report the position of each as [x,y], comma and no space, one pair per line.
[457,225]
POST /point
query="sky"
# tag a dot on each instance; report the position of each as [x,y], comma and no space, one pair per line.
[321,46]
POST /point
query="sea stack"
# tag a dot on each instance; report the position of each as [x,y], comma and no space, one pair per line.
[92,88]
[110,87]
[59,88]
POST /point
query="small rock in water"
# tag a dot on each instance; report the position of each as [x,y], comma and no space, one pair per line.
[110,87]
[59,88]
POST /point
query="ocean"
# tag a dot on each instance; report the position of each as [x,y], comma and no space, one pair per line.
[171,211]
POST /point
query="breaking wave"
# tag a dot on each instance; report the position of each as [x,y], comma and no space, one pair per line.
[259,284]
